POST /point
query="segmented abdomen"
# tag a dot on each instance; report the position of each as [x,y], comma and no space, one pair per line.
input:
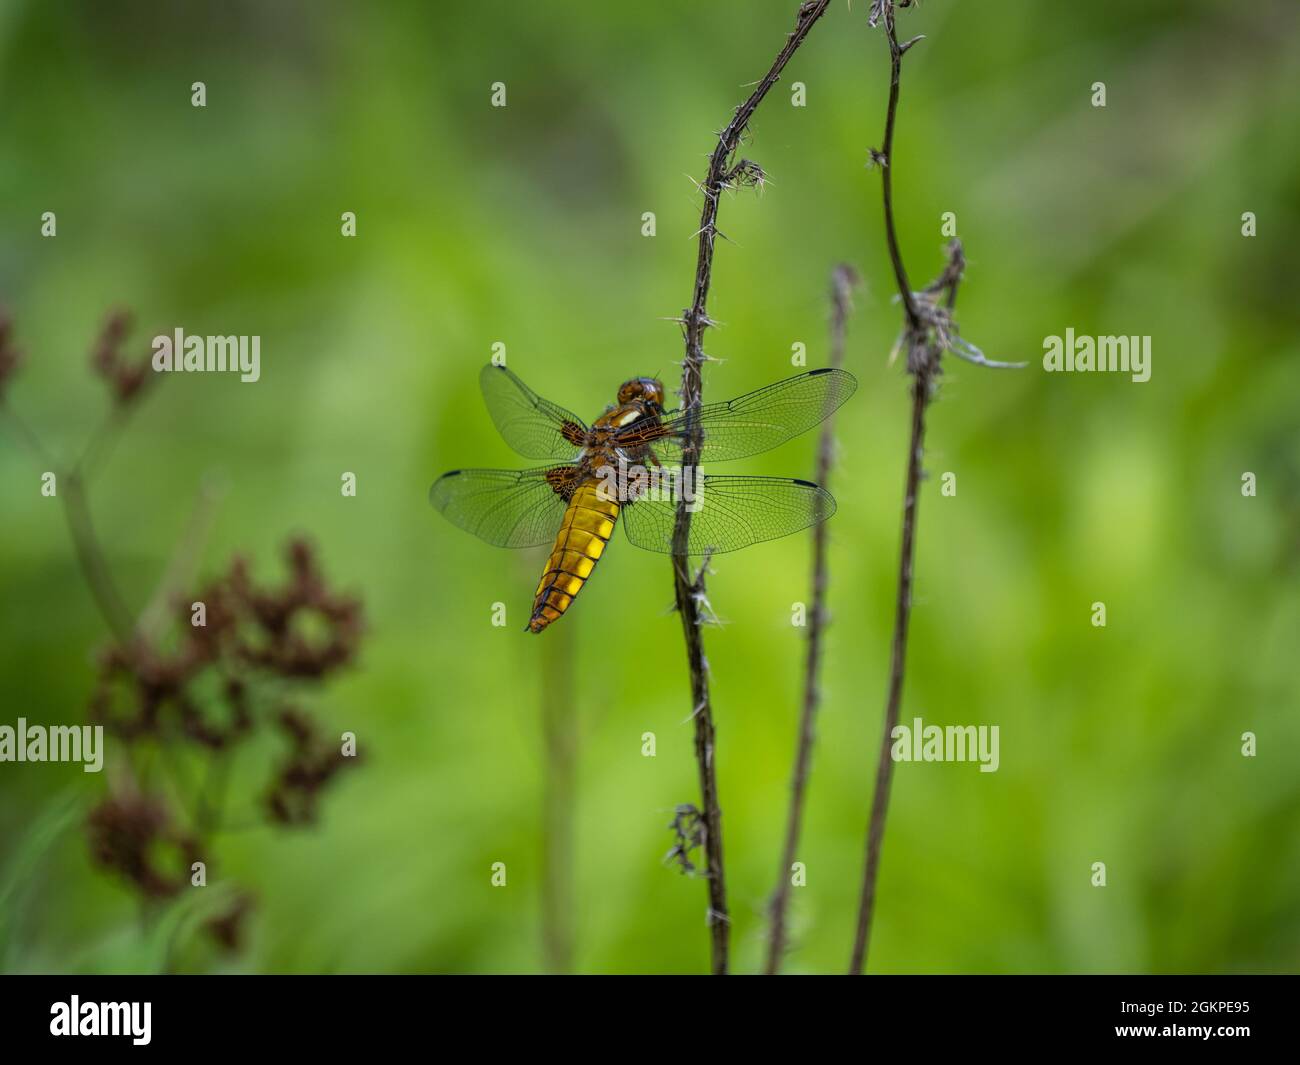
[588,525]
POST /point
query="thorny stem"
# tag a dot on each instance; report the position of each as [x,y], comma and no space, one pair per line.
[925,346]
[887,169]
[921,384]
[689,592]
[902,615]
[842,282]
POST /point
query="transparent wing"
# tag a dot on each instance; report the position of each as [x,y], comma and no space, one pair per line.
[749,424]
[732,512]
[507,508]
[534,427]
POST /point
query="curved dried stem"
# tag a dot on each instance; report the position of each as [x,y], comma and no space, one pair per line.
[928,332]
[689,590]
[843,280]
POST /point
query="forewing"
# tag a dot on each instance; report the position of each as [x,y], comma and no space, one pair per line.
[507,508]
[533,426]
[732,512]
[750,424]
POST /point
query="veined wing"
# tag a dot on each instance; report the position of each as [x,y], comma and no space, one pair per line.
[534,427]
[507,508]
[749,424]
[732,512]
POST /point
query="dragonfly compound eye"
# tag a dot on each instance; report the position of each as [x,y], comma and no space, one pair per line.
[645,389]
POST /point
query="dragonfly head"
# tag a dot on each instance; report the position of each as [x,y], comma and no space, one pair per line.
[645,390]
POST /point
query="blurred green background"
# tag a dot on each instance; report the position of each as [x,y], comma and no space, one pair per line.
[522,225]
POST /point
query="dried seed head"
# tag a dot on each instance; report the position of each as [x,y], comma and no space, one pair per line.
[687,827]
[126,380]
[132,834]
[746,174]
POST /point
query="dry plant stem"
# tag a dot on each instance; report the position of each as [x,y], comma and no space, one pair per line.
[90,554]
[560,735]
[91,557]
[102,441]
[922,391]
[842,281]
[887,169]
[903,606]
[902,615]
[923,355]
[689,591]
[27,438]
[71,486]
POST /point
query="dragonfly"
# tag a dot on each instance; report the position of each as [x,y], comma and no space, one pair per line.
[637,464]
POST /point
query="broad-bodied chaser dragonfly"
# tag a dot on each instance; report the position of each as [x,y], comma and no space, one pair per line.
[629,464]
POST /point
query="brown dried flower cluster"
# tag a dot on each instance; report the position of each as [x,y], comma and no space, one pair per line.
[209,690]
[312,764]
[301,631]
[134,835]
[285,618]
[237,653]
[126,380]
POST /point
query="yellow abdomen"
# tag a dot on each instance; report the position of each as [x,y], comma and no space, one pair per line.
[588,525]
